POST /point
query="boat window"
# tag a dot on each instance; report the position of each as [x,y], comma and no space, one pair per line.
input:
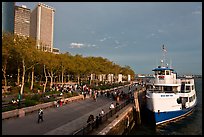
[192,87]
[167,72]
[182,88]
[156,72]
[167,88]
[188,88]
[162,72]
[184,99]
[191,99]
[174,89]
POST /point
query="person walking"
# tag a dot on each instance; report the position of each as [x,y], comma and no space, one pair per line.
[111,106]
[117,100]
[102,112]
[111,109]
[40,115]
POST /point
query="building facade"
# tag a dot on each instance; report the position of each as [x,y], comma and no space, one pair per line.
[22,21]
[42,26]
[8,16]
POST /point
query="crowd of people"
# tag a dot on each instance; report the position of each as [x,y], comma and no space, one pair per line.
[116,95]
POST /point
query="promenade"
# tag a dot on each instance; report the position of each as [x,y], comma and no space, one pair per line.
[63,120]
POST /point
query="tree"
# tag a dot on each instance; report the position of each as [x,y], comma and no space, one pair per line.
[24,48]
[7,42]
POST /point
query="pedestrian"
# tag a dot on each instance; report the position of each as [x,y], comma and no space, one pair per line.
[95,95]
[127,121]
[90,121]
[111,106]
[40,115]
[117,100]
[102,112]
[100,118]
[97,121]
[60,102]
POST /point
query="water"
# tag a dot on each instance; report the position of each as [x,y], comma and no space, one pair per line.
[190,125]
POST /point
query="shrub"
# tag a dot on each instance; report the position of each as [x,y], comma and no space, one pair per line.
[36,97]
[9,108]
[30,103]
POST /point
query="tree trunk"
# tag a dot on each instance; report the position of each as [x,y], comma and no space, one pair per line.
[62,77]
[4,73]
[28,77]
[51,78]
[45,84]
[23,78]
[18,77]
[78,79]
[45,80]
[32,78]
[51,81]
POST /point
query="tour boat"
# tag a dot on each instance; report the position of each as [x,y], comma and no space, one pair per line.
[167,97]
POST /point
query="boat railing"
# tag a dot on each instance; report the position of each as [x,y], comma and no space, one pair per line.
[163,91]
[155,91]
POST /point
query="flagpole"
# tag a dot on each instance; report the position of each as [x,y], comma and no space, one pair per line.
[164,59]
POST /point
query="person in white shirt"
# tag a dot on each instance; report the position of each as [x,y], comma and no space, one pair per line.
[102,112]
[112,106]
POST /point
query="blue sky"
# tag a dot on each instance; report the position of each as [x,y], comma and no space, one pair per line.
[131,33]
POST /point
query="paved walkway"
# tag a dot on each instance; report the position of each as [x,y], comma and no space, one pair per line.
[72,115]
[64,120]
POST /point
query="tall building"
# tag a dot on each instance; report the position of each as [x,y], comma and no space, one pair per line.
[22,21]
[8,17]
[42,26]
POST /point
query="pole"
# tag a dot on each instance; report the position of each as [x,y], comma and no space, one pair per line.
[138,118]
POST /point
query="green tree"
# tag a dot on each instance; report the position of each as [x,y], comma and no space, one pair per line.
[7,42]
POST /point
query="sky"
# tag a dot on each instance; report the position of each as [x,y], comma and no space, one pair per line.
[131,33]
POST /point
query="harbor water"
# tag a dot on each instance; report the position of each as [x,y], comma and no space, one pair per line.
[190,125]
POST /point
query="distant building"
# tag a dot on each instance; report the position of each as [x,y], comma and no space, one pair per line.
[8,16]
[55,51]
[22,21]
[92,76]
[120,77]
[129,78]
[102,77]
[110,78]
[42,26]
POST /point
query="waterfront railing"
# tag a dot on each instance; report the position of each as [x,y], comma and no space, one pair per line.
[89,127]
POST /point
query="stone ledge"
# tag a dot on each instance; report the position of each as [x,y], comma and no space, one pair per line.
[23,111]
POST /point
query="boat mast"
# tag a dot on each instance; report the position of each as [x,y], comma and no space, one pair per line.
[163,61]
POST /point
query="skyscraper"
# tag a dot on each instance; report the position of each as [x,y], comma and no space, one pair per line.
[42,26]
[22,21]
[8,17]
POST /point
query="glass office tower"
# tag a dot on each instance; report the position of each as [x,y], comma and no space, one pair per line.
[8,16]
